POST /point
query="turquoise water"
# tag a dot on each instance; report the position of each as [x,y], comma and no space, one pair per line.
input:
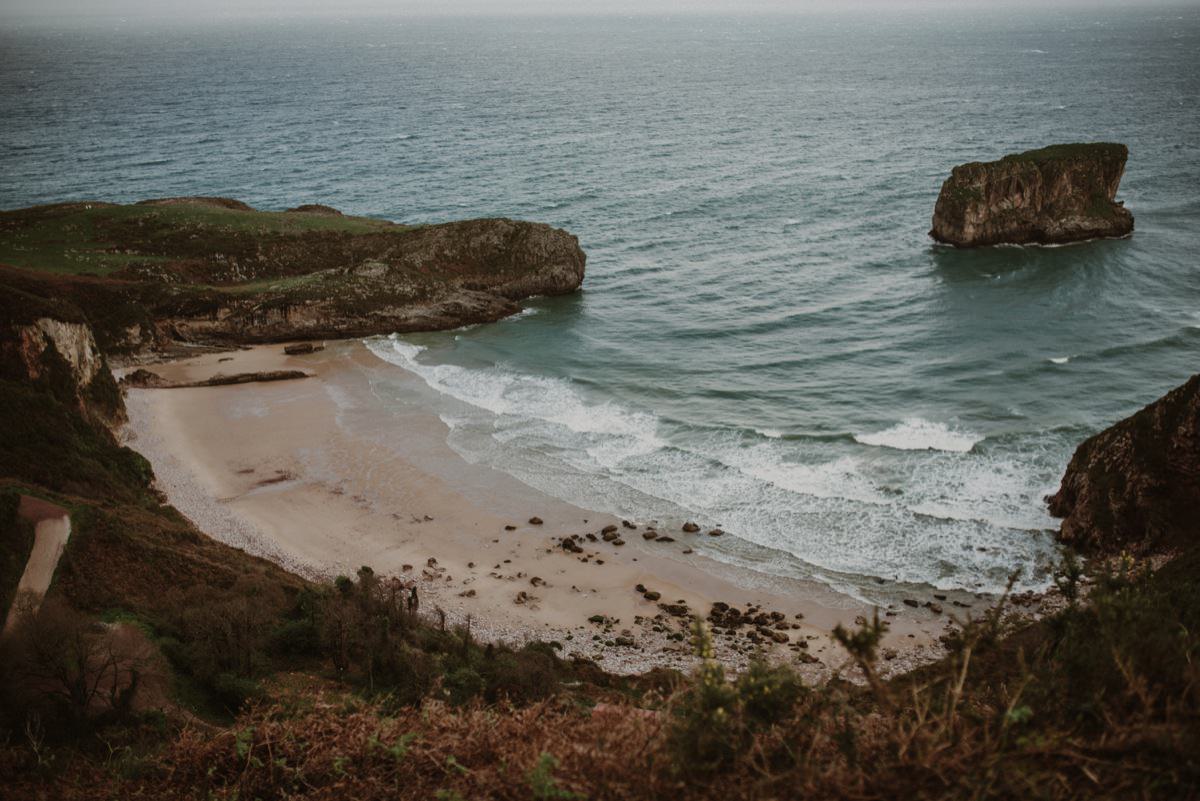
[767,339]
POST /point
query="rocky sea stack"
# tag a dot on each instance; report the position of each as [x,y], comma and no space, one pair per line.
[1136,485]
[1058,194]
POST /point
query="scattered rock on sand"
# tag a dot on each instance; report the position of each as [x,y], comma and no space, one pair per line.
[716,532]
[649,535]
[535,521]
[911,602]
[651,595]
[609,529]
[690,528]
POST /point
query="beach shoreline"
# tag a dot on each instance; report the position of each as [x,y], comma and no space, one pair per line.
[313,475]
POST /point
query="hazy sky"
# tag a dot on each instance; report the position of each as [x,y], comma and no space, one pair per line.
[210,8]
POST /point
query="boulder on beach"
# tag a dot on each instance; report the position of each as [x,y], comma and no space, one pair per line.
[301,348]
[1058,194]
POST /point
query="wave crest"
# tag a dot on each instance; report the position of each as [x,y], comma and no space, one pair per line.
[918,434]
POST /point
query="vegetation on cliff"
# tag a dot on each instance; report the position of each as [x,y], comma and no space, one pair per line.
[212,269]
[1056,194]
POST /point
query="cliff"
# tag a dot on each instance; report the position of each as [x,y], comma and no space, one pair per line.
[214,270]
[1058,194]
[47,345]
[1136,485]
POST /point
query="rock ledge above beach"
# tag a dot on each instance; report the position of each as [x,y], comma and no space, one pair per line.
[1058,194]
[216,271]
[1136,485]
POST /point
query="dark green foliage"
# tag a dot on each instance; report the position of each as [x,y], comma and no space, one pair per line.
[232,691]
[462,684]
[1104,151]
[768,693]
[1135,630]
[48,443]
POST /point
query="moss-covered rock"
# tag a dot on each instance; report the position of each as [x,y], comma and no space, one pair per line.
[1057,194]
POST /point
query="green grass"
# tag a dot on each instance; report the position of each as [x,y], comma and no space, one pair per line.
[1094,150]
[104,238]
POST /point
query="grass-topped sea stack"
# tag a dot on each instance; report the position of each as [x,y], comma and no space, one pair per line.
[1058,194]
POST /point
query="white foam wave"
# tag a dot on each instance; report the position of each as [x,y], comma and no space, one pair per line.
[526,312]
[769,433]
[614,433]
[1059,359]
[910,512]
[917,434]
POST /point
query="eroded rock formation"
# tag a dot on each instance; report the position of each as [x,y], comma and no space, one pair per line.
[1058,194]
[1136,485]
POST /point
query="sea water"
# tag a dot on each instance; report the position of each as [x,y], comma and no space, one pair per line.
[767,339]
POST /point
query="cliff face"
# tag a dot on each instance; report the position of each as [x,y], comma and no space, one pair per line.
[1136,485]
[1062,193]
[51,347]
[204,270]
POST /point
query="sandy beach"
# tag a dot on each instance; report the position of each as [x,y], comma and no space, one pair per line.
[313,475]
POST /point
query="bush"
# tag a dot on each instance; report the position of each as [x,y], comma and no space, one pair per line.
[463,684]
[296,638]
[707,730]
[768,694]
[232,691]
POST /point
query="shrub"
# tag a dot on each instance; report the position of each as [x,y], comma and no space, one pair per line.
[768,694]
[707,730]
[463,684]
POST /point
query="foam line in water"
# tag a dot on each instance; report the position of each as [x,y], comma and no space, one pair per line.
[915,514]
[918,434]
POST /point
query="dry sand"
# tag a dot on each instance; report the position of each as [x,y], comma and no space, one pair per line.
[293,472]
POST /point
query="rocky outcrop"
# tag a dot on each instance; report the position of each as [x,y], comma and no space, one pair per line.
[213,270]
[1136,486]
[142,378]
[1059,194]
[61,354]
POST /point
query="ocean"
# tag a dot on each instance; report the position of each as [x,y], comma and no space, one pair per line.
[767,339]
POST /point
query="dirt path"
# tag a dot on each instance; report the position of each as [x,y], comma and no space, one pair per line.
[53,528]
